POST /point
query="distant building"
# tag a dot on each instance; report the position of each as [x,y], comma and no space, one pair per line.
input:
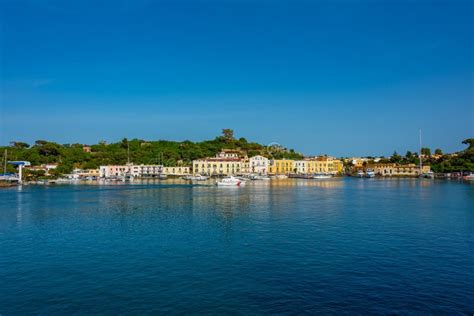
[258,164]
[44,167]
[230,153]
[85,173]
[393,169]
[86,148]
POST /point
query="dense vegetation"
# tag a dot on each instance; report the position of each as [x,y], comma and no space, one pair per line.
[461,161]
[439,162]
[168,153]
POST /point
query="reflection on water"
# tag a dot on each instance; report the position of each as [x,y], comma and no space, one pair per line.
[280,246]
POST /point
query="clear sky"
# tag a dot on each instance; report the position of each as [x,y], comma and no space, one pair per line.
[337,77]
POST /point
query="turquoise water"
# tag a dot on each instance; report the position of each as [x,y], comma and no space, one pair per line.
[345,246]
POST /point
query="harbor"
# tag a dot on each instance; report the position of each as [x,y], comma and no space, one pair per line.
[186,246]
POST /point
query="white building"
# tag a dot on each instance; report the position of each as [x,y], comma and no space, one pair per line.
[258,164]
[141,171]
[115,171]
[301,166]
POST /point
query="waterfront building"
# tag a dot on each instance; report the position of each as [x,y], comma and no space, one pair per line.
[394,169]
[156,170]
[302,166]
[114,171]
[258,165]
[281,166]
[142,170]
[227,162]
[147,171]
[44,167]
[245,168]
[321,164]
[217,166]
[177,171]
[85,173]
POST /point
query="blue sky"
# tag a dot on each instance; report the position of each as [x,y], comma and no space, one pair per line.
[337,77]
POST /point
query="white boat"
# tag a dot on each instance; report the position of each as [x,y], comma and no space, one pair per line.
[197,177]
[281,176]
[469,177]
[369,174]
[127,178]
[230,182]
[258,177]
[322,176]
[360,174]
[429,175]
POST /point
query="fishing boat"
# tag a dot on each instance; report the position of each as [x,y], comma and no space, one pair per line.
[322,176]
[280,176]
[230,182]
[360,174]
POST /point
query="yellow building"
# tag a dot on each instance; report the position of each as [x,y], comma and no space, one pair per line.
[281,166]
[217,166]
[338,166]
[227,162]
[84,173]
[393,169]
[318,165]
[176,171]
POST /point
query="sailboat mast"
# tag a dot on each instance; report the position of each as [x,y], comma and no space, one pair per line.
[5,163]
[421,163]
[128,153]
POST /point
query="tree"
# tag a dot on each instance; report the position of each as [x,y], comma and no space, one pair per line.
[409,154]
[228,134]
[470,142]
[124,143]
[396,158]
[40,142]
[426,151]
[438,151]
[19,145]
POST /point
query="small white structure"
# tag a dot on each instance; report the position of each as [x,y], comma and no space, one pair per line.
[20,165]
[258,164]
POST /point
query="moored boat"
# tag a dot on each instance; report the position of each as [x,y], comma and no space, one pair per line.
[230,181]
[469,177]
[322,176]
[429,175]
[197,177]
[369,173]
